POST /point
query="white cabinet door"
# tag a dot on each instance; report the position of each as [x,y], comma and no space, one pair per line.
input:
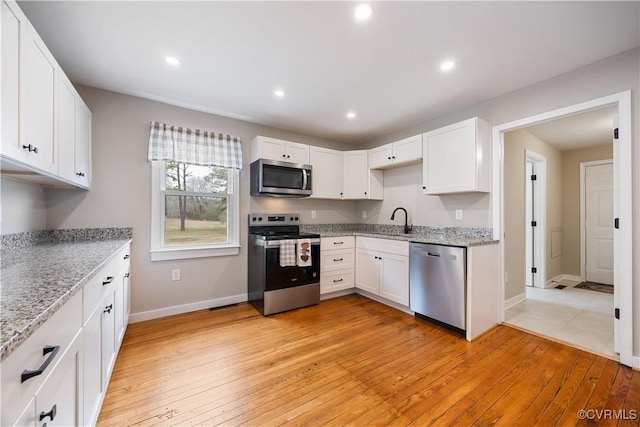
[408,150]
[297,153]
[368,271]
[326,173]
[359,181]
[83,144]
[28,416]
[59,400]
[66,128]
[107,334]
[381,157]
[12,69]
[394,278]
[93,385]
[41,99]
[456,158]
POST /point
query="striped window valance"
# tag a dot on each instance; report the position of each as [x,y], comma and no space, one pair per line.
[177,144]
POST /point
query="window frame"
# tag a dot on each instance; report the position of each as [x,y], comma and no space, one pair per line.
[159,252]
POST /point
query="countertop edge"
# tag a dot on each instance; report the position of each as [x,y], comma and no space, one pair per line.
[18,338]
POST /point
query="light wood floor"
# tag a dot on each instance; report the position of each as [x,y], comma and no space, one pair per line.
[353,361]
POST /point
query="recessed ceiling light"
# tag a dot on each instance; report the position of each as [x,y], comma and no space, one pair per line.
[363,11]
[351,115]
[172,61]
[279,93]
[447,65]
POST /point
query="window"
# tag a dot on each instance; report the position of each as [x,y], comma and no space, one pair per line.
[195,211]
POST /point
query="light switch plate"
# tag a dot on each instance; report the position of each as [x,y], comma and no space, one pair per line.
[313,214]
[364,214]
[458,214]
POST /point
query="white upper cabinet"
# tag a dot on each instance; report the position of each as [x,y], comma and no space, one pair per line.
[74,135]
[263,147]
[457,158]
[399,153]
[360,182]
[326,173]
[33,109]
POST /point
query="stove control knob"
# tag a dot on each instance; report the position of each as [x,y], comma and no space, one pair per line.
[291,218]
[253,219]
[259,218]
[296,218]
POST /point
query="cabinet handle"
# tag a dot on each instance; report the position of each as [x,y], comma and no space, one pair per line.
[80,173]
[284,156]
[338,259]
[126,275]
[108,309]
[424,187]
[26,374]
[365,193]
[393,157]
[338,243]
[337,280]
[51,413]
[388,158]
[127,256]
[31,148]
[288,156]
[109,280]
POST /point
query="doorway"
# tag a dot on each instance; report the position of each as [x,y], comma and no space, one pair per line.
[621,198]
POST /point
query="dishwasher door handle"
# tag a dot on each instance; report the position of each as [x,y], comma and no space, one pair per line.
[432,254]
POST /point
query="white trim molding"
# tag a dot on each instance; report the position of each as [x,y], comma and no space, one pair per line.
[514,300]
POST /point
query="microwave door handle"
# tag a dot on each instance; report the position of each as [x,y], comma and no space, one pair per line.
[304,179]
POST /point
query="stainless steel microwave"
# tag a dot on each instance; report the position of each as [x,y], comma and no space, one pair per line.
[280,179]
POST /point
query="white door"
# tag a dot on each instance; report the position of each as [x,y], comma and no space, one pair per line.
[599,223]
[528,217]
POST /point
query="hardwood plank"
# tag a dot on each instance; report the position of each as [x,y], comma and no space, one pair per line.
[350,361]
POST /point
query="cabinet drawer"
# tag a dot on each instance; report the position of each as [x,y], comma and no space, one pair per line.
[343,242]
[339,259]
[398,247]
[98,286]
[336,281]
[57,331]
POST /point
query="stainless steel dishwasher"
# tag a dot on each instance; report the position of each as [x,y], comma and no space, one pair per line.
[437,284]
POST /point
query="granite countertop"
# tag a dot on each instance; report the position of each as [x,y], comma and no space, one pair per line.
[43,270]
[449,236]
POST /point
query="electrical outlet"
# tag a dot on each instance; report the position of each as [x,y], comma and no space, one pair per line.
[175,274]
[313,214]
[458,214]
[364,214]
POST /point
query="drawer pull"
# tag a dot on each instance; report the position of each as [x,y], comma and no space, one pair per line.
[126,275]
[338,243]
[127,256]
[108,309]
[109,280]
[338,259]
[31,148]
[337,280]
[80,173]
[51,414]
[26,374]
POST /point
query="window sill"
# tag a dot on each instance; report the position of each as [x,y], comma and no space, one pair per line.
[189,253]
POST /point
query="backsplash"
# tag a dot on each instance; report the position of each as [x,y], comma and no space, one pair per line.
[417,230]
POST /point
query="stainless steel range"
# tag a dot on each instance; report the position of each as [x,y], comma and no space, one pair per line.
[284,264]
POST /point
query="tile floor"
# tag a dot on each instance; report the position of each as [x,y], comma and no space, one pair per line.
[577,317]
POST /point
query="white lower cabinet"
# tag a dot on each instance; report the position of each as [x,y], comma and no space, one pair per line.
[382,268]
[59,400]
[336,264]
[93,387]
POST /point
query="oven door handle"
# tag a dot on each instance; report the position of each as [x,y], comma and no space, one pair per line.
[304,179]
[276,243]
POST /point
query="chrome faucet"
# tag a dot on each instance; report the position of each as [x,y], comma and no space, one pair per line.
[407,227]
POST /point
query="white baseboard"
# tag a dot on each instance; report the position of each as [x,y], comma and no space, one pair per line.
[636,362]
[514,300]
[186,308]
[337,294]
[385,301]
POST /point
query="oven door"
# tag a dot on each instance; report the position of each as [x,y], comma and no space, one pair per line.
[287,277]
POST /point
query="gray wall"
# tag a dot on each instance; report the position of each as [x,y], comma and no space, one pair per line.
[23,207]
[515,145]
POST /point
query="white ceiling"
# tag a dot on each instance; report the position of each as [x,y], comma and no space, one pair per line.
[578,131]
[234,54]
